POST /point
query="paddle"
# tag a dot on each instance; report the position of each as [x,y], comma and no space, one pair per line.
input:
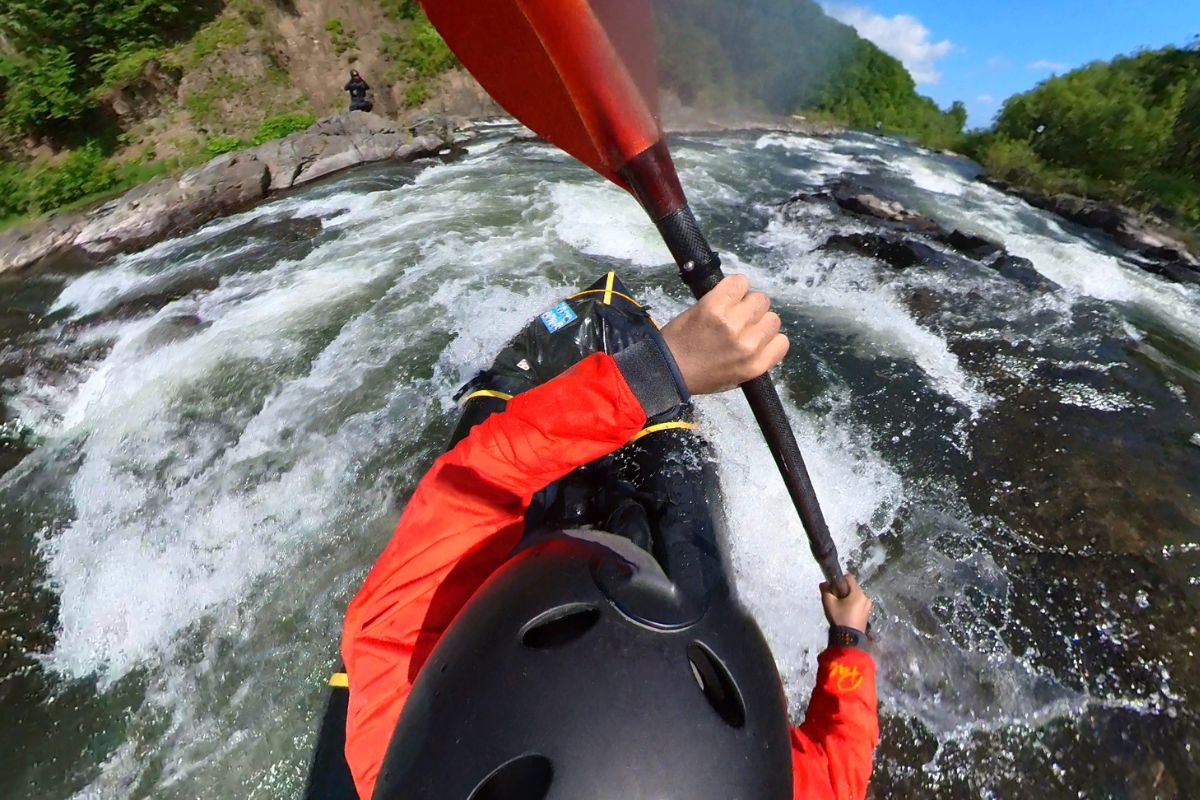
[581,74]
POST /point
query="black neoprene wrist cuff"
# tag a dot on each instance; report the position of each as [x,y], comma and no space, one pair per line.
[842,636]
[653,376]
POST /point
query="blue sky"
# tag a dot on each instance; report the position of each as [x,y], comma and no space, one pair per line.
[982,53]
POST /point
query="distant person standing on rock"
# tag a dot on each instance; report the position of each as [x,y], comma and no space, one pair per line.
[358,89]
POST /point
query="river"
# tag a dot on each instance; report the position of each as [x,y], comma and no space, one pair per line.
[210,441]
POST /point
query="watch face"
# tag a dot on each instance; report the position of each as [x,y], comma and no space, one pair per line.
[845,638]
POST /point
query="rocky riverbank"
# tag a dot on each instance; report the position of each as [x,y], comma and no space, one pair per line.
[228,184]
[906,238]
[1160,246]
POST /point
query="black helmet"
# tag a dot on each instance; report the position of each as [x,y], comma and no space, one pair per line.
[580,672]
[354,73]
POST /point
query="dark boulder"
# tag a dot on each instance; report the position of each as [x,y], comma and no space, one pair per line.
[853,198]
[1021,270]
[896,252]
[969,244]
[230,183]
[1146,235]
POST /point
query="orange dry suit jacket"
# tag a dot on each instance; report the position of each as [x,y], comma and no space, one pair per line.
[470,509]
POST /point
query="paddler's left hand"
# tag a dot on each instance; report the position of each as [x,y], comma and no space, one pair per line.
[729,337]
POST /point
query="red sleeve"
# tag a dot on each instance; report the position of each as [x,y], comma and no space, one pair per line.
[832,750]
[465,517]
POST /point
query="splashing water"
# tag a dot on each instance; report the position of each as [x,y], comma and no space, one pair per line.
[221,431]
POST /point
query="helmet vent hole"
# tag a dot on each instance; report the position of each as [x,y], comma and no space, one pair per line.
[717,685]
[559,626]
[524,778]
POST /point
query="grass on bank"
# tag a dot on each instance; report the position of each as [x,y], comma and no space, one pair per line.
[85,175]
[1172,196]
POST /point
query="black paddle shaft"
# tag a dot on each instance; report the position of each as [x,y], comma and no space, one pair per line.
[700,269]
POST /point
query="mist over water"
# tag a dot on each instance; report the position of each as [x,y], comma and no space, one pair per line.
[223,430]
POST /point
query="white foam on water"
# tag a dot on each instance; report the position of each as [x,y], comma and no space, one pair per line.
[211,447]
[157,499]
[776,575]
[601,220]
[1072,262]
[830,163]
[94,292]
[929,175]
[163,264]
[847,292]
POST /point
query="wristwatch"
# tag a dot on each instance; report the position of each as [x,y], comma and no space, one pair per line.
[842,636]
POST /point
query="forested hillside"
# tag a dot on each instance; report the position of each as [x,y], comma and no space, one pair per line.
[1128,129]
[790,57]
[96,96]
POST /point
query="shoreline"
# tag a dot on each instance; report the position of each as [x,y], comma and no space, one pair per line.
[228,184]
[175,206]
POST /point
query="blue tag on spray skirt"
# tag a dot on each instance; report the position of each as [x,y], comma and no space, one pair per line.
[558,317]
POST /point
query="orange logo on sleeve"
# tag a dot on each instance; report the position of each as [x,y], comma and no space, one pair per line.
[843,679]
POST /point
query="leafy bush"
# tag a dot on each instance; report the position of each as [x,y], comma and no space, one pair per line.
[58,53]
[1172,195]
[1009,159]
[1099,119]
[82,173]
[415,95]
[124,67]
[1128,129]
[426,53]
[82,176]
[223,33]
[220,145]
[40,90]
[14,190]
[284,125]
[338,37]
[398,10]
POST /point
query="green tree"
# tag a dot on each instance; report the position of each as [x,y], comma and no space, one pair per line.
[58,51]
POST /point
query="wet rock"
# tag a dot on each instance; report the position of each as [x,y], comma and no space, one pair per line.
[853,199]
[49,243]
[896,252]
[344,141]
[227,184]
[969,244]
[145,96]
[872,206]
[895,216]
[155,211]
[1021,270]
[1174,271]
[1143,234]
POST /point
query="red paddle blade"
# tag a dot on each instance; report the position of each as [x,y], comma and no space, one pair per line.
[579,73]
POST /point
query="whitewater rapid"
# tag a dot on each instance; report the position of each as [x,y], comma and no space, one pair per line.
[227,425]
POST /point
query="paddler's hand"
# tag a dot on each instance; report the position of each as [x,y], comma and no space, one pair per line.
[731,336]
[851,611]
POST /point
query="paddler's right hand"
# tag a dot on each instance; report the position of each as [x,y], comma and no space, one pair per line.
[729,337]
[851,611]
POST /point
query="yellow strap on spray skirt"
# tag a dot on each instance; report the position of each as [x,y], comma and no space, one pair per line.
[679,425]
[340,680]
[487,393]
[609,292]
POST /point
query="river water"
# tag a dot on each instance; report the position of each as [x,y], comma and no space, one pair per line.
[215,438]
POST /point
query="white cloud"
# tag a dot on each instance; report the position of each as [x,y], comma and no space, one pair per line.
[999,63]
[1048,66]
[985,100]
[901,36]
